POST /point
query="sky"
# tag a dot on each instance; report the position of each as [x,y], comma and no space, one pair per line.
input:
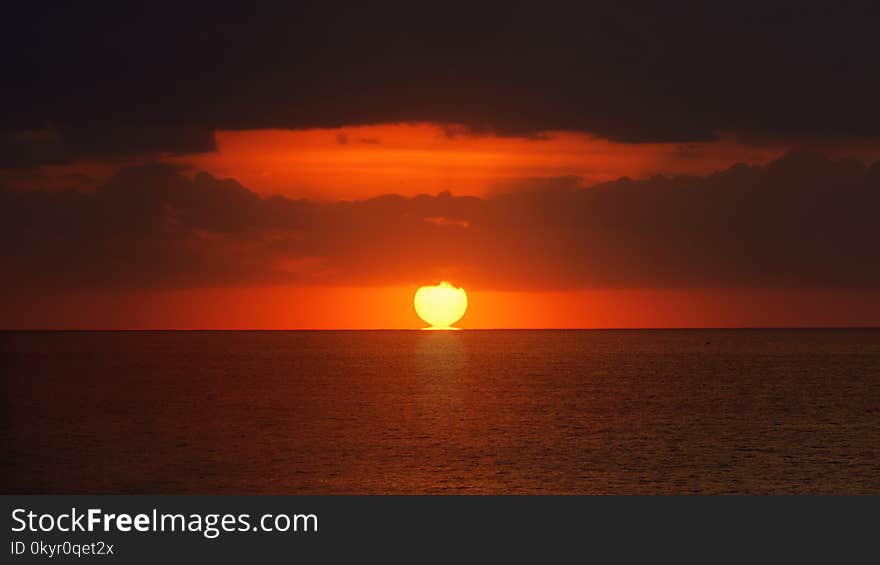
[312,166]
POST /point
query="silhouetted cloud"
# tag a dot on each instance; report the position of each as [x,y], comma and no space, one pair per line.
[122,140]
[652,72]
[33,148]
[801,221]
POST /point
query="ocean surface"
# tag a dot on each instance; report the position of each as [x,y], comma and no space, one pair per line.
[633,411]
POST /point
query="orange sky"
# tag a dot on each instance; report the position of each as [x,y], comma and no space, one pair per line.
[416,158]
[279,307]
[408,159]
[568,168]
[360,162]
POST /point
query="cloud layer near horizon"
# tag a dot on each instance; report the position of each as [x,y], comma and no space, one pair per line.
[802,221]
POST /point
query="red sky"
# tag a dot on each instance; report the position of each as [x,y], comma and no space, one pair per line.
[306,166]
[409,159]
[360,162]
[286,307]
[369,281]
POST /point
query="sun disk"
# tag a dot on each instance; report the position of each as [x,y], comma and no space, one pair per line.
[441,305]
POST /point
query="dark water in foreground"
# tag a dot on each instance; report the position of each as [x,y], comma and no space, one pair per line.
[709,411]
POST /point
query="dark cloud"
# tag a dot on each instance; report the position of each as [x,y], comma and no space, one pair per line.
[802,221]
[31,149]
[644,72]
[543,184]
[28,149]
[125,140]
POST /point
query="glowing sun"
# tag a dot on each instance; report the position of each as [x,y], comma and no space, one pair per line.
[441,305]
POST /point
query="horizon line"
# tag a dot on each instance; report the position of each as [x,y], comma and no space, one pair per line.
[602,328]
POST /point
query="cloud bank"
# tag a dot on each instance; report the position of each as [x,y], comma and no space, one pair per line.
[802,221]
[645,72]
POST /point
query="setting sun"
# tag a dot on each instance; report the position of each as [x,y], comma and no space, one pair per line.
[441,305]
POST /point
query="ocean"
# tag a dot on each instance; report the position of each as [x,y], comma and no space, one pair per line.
[469,412]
